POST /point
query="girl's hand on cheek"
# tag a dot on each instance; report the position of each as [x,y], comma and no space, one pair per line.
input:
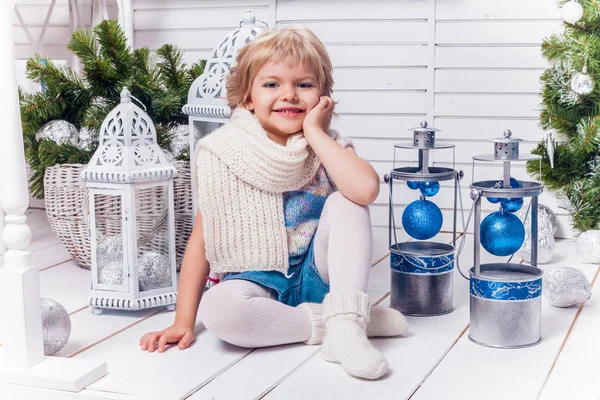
[319,117]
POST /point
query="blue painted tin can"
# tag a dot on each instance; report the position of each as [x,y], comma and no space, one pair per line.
[506,305]
[422,278]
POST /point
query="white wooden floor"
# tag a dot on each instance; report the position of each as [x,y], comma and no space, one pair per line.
[434,360]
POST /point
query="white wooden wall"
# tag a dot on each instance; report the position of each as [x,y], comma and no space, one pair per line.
[469,67]
[58,31]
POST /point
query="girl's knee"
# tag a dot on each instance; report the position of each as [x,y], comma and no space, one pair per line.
[223,312]
[339,204]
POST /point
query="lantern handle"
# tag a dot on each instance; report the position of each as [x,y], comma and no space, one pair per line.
[139,102]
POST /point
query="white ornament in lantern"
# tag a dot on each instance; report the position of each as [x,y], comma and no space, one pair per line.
[571,12]
[207,98]
[129,175]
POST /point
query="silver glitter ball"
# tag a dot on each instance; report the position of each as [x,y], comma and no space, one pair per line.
[546,245]
[582,84]
[566,287]
[588,247]
[59,131]
[546,218]
[110,249]
[154,271]
[88,138]
[56,326]
[111,273]
[179,139]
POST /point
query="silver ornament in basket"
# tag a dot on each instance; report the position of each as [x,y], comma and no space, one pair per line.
[422,279]
[129,173]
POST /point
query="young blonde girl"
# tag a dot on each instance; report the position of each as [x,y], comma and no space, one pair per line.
[283,217]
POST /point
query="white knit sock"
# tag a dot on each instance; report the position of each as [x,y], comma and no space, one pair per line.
[346,315]
[383,322]
[315,314]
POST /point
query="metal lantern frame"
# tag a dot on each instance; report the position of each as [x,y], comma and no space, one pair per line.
[423,290]
[207,106]
[128,160]
[494,312]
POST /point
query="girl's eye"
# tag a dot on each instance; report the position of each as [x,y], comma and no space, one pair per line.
[305,85]
[270,85]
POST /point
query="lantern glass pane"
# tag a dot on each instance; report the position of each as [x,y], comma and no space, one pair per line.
[109,246]
[203,128]
[153,253]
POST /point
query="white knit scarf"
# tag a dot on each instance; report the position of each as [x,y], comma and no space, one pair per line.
[241,177]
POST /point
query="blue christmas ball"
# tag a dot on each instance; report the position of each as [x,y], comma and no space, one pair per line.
[422,219]
[499,185]
[514,183]
[412,184]
[429,189]
[511,205]
[502,233]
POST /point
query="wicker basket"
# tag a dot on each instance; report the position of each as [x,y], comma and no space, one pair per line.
[66,202]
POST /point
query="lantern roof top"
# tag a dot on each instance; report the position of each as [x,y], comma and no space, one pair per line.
[208,95]
[128,150]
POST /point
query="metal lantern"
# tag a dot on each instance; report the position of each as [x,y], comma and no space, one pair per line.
[207,98]
[422,270]
[133,257]
[505,298]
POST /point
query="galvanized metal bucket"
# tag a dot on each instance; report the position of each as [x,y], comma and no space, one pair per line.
[422,278]
[506,305]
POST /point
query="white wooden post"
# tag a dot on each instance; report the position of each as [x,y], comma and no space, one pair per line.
[126,20]
[2,215]
[22,359]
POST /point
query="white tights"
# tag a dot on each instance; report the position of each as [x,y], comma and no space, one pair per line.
[246,314]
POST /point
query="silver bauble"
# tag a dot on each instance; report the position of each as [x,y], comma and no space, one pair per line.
[59,131]
[566,287]
[88,138]
[546,218]
[56,326]
[588,247]
[582,83]
[180,141]
[154,271]
[110,249]
[111,273]
[546,245]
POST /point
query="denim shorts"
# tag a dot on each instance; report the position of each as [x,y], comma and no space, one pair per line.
[302,284]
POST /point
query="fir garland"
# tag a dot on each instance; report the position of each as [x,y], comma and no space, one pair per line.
[160,81]
[576,118]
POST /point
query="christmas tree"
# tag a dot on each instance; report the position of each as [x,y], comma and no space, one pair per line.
[571,112]
[161,82]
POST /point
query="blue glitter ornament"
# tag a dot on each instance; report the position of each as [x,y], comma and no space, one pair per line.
[502,233]
[429,189]
[412,185]
[514,184]
[511,205]
[422,219]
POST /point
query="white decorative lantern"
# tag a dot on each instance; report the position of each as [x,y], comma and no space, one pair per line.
[207,98]
[133,255]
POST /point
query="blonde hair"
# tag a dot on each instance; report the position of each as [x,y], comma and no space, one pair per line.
[293,45]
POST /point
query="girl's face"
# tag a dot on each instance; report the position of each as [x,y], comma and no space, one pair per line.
[281,96]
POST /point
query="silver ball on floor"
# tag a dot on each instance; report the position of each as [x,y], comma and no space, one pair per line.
[566,287]
[546,245]
[56,326]
[588,247]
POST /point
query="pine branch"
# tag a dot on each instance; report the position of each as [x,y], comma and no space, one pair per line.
[172,68]
[113,46]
